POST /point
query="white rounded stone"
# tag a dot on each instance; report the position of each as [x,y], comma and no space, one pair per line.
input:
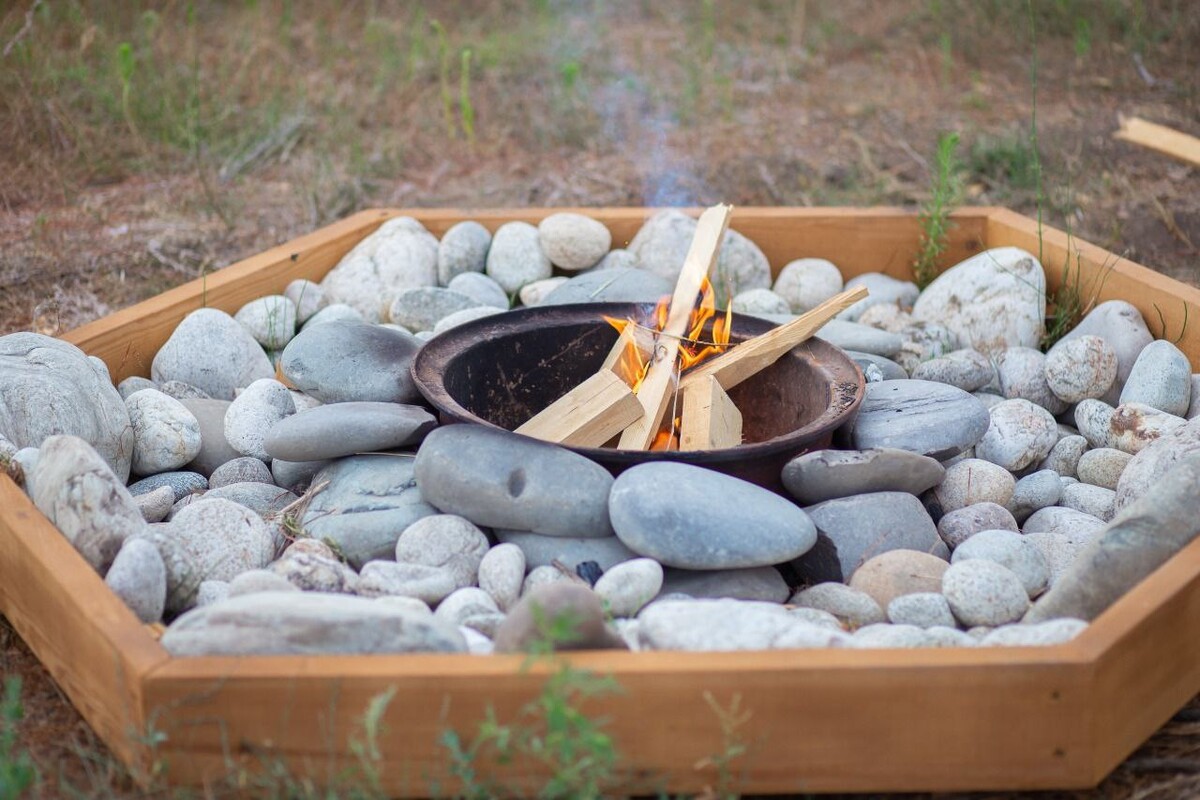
[165,434]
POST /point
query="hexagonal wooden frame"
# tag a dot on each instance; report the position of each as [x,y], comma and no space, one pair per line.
[836,720]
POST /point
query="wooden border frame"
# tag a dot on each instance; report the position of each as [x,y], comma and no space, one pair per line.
[958,719]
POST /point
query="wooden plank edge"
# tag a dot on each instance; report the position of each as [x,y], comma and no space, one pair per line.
[48,589]
[1163,139]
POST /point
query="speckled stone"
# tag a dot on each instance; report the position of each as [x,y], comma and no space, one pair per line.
[1021,372]
[887,636]
[253,413]
[928,418]
[922,609]
[1121,325]
[1161,378]
[246,469]
[1009,549]
[853,607]
[165,434]
[501,573]
[807,282]
[760,301]
[899,572]
[967,369]
[1040,634]
[446,541]
[213,352]
[1034,492]
[983,592]
[573,242]
[1103,467]
[387,578]
[728,625]
[1094,500]
[1155,461]
[139,578]
[463,249]
[961,524]
[1080,368]
[1133,426]
[1021,433]
[515,257]
[181,483]
[400,254]
[154,506]
[883,289]
[1059,549]
[974,481]
[1064,456]
[628,586]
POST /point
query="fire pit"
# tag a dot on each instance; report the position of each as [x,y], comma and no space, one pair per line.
[501,371]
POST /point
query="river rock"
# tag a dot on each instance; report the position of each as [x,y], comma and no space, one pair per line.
[503,480]
[214,449]
[134,383]
[253,413]
[285,623]
[165,434]
[740,266]
[759,301]
[960,525]
[610,286]
[222,539]
[181,483]
[480,288]
[1161,378]
[138,577]
[889,637]
[1094,500]
[617,258]
[367,502]
[265,499]
[693,518]
[1080,368]
[927,418]
[628,586]
[213,352]
[1059,549]
[246,469]
[334,312]
[501,573]
[1034,492]
[515,257]
[1064,456]
[295,476]
[462,250]
[260,580]
[446,541]
[827,474]
[968,370]
[1009,549]
[154,506]
[662,243]
[1140,538]
[573,242]
[1021,373]
[1093,419]
[1040,634]
[853,607]
[342,429]
[270,320]
[924,341]
[983,592]
[899,572]
[888,370]
[345,361]
[993,300]
[1020,434]
[887,317]
[49,387]
[307,297]
[564,616]
[400,255]
[922,610]
[807,282]
[1194,407]
[542,550]
[722,625]
[860,338]
[419,309]
[428,584]
[543,576]
[853,530]
[74,487]
[883,289]
[1121,325]
[763,584]
[1133,426]
[1057,519]
[463,317]
[974,481]
[532,294]
[1155,460]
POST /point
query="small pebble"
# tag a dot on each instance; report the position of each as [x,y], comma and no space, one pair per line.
[270,320]
[982,592]
[628,586]
[308,297]
[1039,634]
[922,609]
[1103,467]
[853,607]
[446,541]
[1010,550]
[573,242]
[974,481]
[252,413]
[1034,492]
[501,573]
[1094,500]
[807,282]
[246,469]
[960,525]
[1161,378]
[1080,368]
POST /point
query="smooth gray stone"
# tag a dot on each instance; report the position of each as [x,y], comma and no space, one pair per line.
[1011,550]
[1161,378]
[77,491]
[573,242]
[182,391]
[398,255]
[139,578]
[1021,374]
[182,483]
[966,369]
[1057,519]
[264,499]
[295,476]
[961,525]
[215,450]
[515,257]
[856,608]
[426,583]
[246,469]
[287,623]
[1142,536]
[334,312]
[213,352]
[134,383]
[482,289]
[1155,460]
[827,474]
[852,530]
[610,286]
[984,592]
[541,550]
[462,250]
[339,362]
[862,338]
[928,418]
[1034,492]
[49,387]
[367,504]
[157,504]
[308,297]
[420,308]
[1121,325]
[446,541]
[1039,634]
[693,518]
[728,625]
[556,603]
[763,584]
[890,370]
[342,429]
[882,289]
[504,480]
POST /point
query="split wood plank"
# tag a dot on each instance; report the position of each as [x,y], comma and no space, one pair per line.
[661,379]
[1161,138]
[588,415]
[754,355]
[710,418]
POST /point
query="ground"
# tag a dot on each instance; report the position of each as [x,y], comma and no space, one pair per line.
[143,147]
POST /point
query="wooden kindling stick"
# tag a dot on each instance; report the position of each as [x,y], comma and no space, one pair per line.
[660,381]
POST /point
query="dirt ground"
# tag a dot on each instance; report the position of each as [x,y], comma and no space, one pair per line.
[141,147]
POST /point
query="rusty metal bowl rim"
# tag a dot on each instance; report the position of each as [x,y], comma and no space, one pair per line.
[432,359]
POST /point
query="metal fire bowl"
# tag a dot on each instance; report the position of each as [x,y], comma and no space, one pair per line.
[503,369]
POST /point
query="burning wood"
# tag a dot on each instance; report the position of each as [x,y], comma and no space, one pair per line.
[649,368]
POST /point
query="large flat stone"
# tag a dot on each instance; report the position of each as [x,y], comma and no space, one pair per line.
[343,429]
[923,417]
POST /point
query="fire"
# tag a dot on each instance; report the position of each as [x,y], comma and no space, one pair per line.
[633,365]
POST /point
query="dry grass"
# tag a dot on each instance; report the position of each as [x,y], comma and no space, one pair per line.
[141,148]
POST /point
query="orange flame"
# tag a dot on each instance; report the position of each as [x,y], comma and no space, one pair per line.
[633,366]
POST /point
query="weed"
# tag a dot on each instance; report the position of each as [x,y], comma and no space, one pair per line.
[466,109]
[731,720]
[125,68]
[1009,161]
[946,189]
[17,772]
[443,47]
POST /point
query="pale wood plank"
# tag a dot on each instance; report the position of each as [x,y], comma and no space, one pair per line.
[1168,141]
[710,418]
[588,415]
